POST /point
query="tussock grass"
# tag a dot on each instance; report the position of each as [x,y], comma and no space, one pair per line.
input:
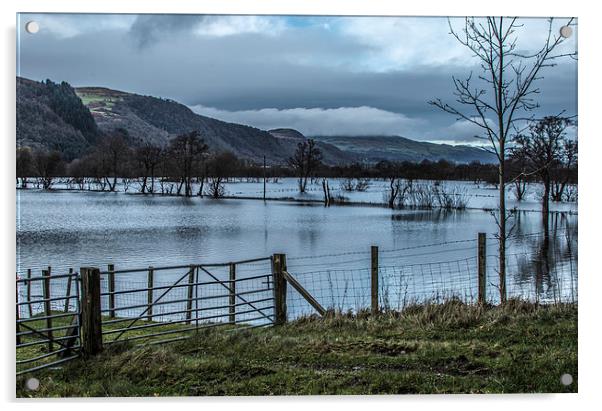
[432,348]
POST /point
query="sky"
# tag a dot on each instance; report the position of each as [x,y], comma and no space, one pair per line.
[320,75]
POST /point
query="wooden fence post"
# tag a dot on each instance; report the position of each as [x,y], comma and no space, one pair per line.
[68,291]
[151,281]
[47,306]
[29,292]
[111,286]
[482,264]
[91,321]
[232,302]
[190,294]
[374,279]
[18,311]
[279,265]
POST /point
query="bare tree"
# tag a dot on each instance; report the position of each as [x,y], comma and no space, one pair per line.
[148,156]
[306,159]
[47,166]
[187,152]
[114,155]
[24,165]
[563,173]
[519,172]
[504,89]
[543,147]
[219,169]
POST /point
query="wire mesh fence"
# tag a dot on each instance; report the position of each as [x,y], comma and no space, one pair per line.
[544,271]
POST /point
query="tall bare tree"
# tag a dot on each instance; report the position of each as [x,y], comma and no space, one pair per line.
[502,95]
[306,159]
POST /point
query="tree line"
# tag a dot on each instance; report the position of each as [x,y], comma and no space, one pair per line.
[187,160]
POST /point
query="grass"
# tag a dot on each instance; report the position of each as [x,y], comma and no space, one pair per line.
[446,348]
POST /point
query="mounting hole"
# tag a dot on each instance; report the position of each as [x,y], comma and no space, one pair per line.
[32,384]
[566,379]
[32,27]
[566,32]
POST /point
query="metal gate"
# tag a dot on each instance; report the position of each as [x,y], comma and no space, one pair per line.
[47,320]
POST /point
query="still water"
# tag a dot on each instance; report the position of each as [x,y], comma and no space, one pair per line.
[66,229]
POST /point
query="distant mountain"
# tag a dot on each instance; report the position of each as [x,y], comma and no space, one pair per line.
[71,120]
[395,148]
[52,116]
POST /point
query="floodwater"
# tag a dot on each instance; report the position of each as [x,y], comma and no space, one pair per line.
[328,248]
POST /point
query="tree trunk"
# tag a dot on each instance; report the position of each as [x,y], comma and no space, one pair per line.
[502,232]
[545,204]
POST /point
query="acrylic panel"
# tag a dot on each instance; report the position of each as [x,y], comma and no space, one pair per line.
[283,205]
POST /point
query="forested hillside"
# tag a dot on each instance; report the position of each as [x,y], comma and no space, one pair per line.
[52,116]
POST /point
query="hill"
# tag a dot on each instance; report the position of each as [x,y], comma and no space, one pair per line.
[395,148]
[52,116]
[158,120]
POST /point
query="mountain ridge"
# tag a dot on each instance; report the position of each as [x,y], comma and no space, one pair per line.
[70,120]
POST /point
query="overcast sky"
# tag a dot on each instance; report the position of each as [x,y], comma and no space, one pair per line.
[319,75]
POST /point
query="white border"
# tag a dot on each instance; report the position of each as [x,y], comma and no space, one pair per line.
[590,151]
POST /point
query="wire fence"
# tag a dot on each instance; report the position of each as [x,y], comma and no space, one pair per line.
[544,271]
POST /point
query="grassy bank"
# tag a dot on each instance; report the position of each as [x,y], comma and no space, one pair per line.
[449,348]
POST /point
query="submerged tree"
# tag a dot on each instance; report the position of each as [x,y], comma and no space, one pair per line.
[148,156]
[565,171]
[24,165]
[544,147]
[113,155]
[501,95]
[186,153]
[220,168]
[47,166]
[306,159]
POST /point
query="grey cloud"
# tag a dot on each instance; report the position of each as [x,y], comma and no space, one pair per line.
[239,75]
[150,28]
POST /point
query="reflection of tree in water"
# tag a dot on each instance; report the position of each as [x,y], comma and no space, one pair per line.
[429,216]
[549,259]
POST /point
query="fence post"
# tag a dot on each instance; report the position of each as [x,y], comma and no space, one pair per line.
[151,281]
[68,293]
[47,306]
[279,265]
[91,322]
[374,279]
[482,263]
[190,294]
[232,302]
[111,281]
[29,292]
[18,310]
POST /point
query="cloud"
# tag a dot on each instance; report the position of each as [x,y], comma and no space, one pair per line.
[319,74]
[403,43]
[149,29]
[354,121]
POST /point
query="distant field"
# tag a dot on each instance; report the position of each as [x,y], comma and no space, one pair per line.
[98,100]
[448,348]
